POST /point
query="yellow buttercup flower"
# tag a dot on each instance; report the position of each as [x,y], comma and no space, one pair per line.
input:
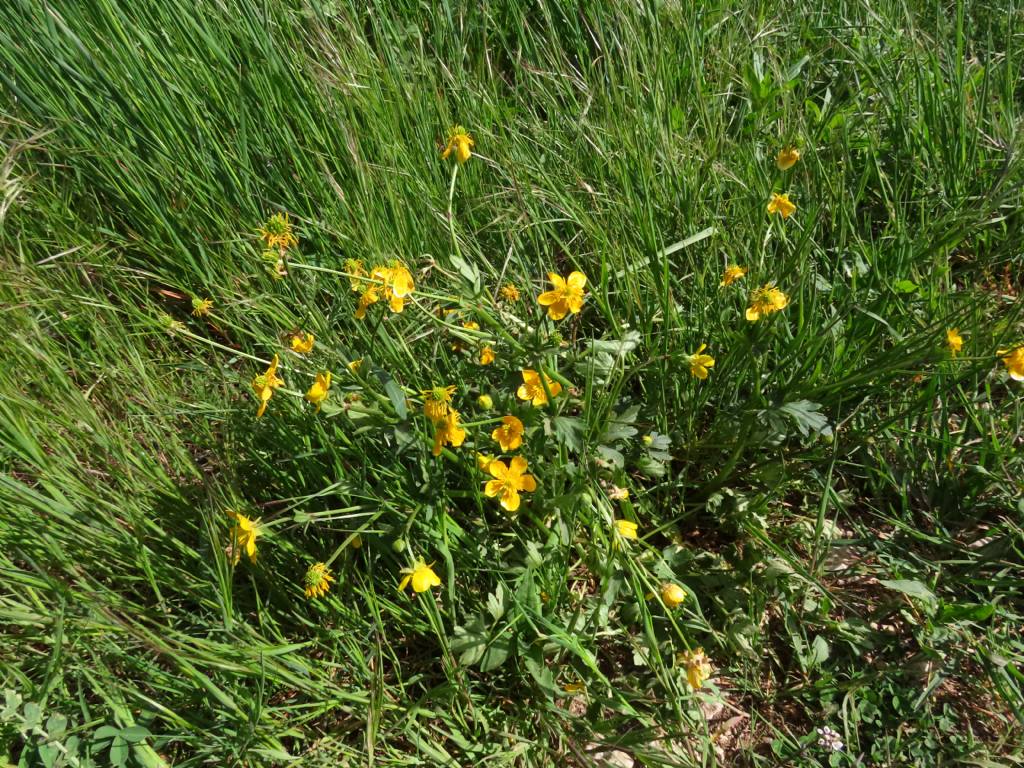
[422,577]
[201,307]
[355,365]
[487,355]
[787,158]
[448,432]
[626,529]
[398,284]
[764,301]
[265,384]
[483,461]
[1014,362]
[567,295]
[672,594]
[782,205]
[509,292]
[485,401]
[699,364]
[318,580]
[508,481]
[459,142]
[954,341]
[532,389]
[732,274]
[243,537]
[302,344]
[436,401]
[510,434]
[698,668]
[277,232]
[320,389]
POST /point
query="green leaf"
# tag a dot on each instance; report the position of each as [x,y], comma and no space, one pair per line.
[905,286]
[818,653]
[393,391]
[119,752]
[567,430]
[807,417]
[911,588]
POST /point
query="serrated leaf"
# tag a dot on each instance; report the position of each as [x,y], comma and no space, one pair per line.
[905,286]
[567,430]
[612,456]
[807,417]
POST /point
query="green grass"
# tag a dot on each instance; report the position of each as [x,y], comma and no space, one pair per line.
[840,499]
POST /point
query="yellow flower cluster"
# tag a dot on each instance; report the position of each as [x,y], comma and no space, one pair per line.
[391,282]
[278,238]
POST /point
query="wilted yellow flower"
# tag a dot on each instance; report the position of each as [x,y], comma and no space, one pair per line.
[357,274]
[732,274]
[485,402]
[355,365]
[487,355]
[626,529]
[436,400]
[510,434]
[782,205]
[672,594]
[698,668]
[265,384]
[320,389]
[483,461]
[509,481]
[533,389]
[615,493]
[448,432]
[787,158]
[1014,362]
[243,537]
[764,301]
[460,142]
[954,341]
[201,307]
[422,577]
[509,292]
[303,344]
[567,295]
[277,232]
[318,580]
[699,364]
[171,325]
[278,270]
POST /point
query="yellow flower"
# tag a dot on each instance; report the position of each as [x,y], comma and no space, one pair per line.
[509,292]
[460,142]
[396,283]
[435,402]
[355,365]
[509,481]
[318,580]
[487,355]
[448,432]
[485,402]
[626,529]
[370,296]
[277,232]
[265,384]
[483,461]
[422,577]
[672,594]
[782,205]
[1014,362]
[567,295]
[320,389]
[302,344]
[787,158]
[615,493]
[356,274]
[732,274]
[243,537]
[698,668]
[471,325]
[764,301]
[954,341]
[201,307]
[532,388]
[510,434]
[699,364]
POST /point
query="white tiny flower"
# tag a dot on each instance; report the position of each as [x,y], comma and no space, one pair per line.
[829,739]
